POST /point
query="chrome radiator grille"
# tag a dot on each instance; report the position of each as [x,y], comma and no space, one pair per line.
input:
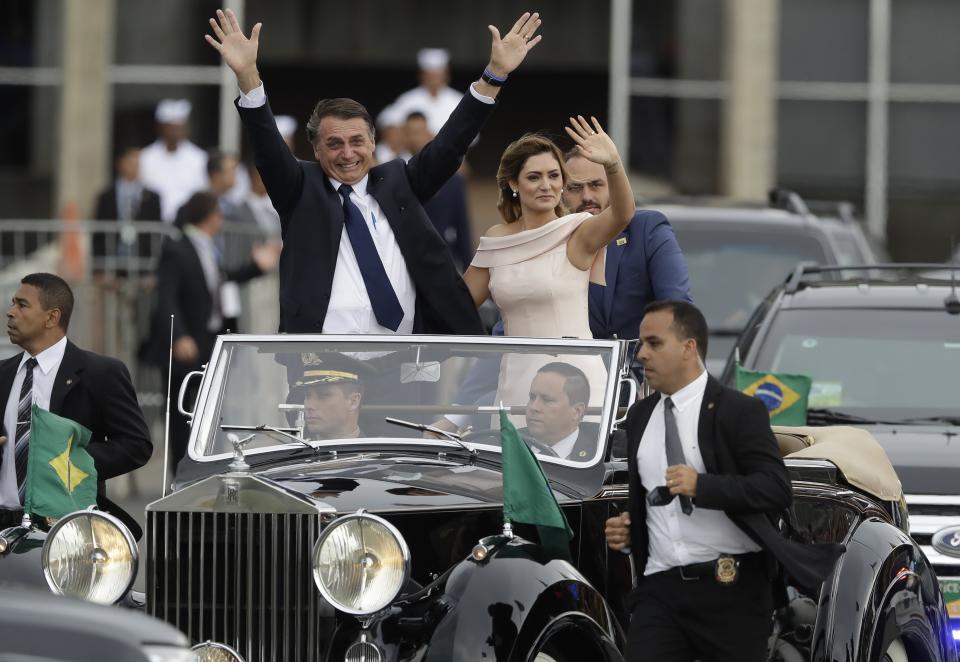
[243,579]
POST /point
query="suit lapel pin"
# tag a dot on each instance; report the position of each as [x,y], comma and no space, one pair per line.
[582,454]
[621,241]
[69,381]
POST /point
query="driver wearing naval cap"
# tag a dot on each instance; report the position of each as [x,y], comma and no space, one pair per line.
[330,388]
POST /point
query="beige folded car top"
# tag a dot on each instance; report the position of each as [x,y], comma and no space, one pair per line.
[855,452]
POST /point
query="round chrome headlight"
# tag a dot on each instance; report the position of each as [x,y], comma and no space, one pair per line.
[213,652]
[360,563]
[90,555]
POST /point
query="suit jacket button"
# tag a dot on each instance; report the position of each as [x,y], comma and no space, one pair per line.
[401,209]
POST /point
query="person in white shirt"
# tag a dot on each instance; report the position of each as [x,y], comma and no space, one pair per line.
[172,165]
[707,486]
[433,97]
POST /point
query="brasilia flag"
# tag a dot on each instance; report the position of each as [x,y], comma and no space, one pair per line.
[527,496]
[61,476]
[784,395]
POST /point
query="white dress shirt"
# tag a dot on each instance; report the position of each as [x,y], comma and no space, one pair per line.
[564,447]
[175,176]
[350,310]
[677,539]
[44,374]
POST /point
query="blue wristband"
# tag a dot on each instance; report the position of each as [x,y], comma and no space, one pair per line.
[492,79]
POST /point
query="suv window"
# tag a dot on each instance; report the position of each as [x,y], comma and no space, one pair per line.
[732,270]
[882,364]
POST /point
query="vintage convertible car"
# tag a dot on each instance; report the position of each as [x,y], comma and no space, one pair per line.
[287,537]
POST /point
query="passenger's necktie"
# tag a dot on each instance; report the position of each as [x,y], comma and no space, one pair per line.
[386,306]
[21,448]
[674,448]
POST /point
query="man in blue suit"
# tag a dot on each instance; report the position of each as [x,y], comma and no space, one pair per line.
[643,264]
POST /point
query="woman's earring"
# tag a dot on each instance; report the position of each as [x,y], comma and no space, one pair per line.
[514,194]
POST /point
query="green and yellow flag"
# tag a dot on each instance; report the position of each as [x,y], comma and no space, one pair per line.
[784,395]
[527,496]
[61,476]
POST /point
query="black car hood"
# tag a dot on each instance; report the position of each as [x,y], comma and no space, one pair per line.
[926,457]
[387,482]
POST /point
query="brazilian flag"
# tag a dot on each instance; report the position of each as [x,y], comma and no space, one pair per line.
[527,496]
[61,476]
[784,395]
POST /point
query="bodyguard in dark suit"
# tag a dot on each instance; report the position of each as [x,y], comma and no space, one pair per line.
[126,200]
[643,264]
[190,280]
[58,376]
[343,270]
[707,486]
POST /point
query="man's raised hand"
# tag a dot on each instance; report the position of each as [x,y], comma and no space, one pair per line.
[507,53]
[238,51]
[592,141]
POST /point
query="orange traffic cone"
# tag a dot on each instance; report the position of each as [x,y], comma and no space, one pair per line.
[72,258]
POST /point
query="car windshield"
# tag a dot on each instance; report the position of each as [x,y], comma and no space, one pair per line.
[878,364]
[283,393]
[733,268]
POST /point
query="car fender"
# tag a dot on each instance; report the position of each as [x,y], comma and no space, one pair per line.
[506,605]
[21,564]
[882,586]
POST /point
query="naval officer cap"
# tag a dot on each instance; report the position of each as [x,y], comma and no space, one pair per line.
[433,59]
[173,111]
[318,368]
[286,125]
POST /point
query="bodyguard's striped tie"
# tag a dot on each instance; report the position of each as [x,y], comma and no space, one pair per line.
[24,410]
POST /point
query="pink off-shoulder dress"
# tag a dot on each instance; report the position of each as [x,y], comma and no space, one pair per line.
[541,294]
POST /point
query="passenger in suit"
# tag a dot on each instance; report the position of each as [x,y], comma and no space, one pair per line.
[707,487]
[190,287]
[559,394]
[343,269]
[643,263]
[54,374]
[126,200]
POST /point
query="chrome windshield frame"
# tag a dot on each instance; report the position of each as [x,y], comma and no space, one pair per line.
[212,386]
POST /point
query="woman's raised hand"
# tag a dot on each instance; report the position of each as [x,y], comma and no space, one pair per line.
[593,142]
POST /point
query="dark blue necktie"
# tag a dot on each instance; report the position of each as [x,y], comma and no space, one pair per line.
[386,306]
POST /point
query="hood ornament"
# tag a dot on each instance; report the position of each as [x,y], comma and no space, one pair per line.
[239,463]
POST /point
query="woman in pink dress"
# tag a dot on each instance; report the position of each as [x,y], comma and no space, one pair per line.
[537,265]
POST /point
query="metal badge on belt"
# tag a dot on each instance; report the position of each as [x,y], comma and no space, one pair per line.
[727,570]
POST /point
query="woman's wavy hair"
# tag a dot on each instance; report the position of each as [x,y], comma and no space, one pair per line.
[512,162]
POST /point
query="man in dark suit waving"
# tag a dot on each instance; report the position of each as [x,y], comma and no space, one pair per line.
[360,254]
[58,376]
[707,485]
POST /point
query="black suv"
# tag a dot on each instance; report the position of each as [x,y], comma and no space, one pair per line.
[736,252]
[882,345]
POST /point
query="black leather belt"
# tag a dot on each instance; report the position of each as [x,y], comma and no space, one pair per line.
[725,570]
